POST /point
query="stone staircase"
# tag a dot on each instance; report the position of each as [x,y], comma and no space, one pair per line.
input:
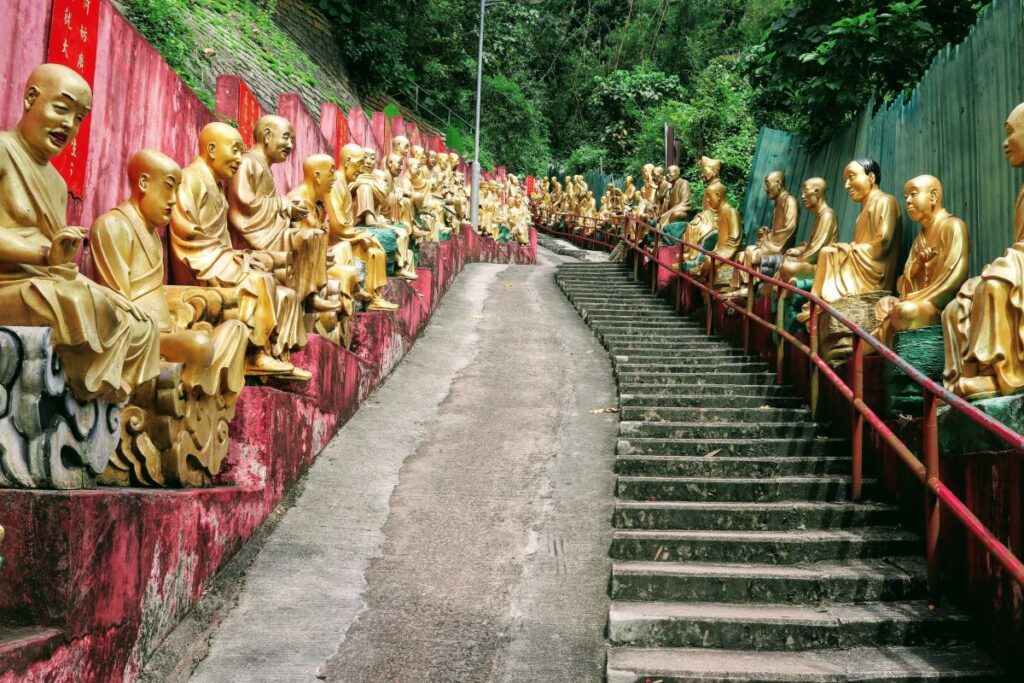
[737,554]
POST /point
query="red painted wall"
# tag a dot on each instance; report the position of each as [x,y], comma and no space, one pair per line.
[23,35]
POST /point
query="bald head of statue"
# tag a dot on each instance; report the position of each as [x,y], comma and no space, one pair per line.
[275,135]
[57,100]
[774,184]
[154,178]
[352,160]
[221,148]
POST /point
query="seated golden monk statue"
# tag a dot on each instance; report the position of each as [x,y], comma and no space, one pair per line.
[865,266]
[629,192]
[801,261]
[108,345]
[427,207]
[730,234]
[700,228]
[936,267]
[201,249]
[983,327]
[677,199]
[400,146]
[370,197]
[774,239]
[346,238]
[184,440]
[311,194]
[262,219]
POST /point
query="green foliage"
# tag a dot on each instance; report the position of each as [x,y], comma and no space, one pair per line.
[512,127]
[585,158]
[161,23]
[822,62]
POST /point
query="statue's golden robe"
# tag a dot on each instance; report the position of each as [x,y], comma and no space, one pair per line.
[984,324]
[201,245]
[262,219]
[129,259]
[108,345]
[868,264]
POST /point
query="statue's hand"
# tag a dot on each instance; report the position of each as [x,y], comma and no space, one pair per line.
[262,259]
[64,246]
[928,253]
[299,211]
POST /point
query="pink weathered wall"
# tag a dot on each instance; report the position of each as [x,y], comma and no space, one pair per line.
[138,102]
[309,140]
[412,131]
[24,28]
[359,127]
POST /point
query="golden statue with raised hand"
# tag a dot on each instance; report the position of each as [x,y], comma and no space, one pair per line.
[730,233]
[263,219]
[677,199]
[400,203]
[774,239]
[801,261]
[346,239]
[628,192]
[181,441]
[983,326]
[425,203]
[109,346]
[936,268]
[201,249]
[370,195]
[705,222]
[866,265]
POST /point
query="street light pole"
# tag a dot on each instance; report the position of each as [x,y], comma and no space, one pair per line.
[474,193]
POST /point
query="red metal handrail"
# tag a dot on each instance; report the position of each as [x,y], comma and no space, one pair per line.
[927,472]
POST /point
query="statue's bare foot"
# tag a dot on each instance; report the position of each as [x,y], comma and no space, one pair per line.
[265,364]
[379,303]
[975,388]
[298,375]
[408,273]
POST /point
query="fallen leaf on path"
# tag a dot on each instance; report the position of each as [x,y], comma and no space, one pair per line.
[595,411]
[509,285]
[477,317]
[713,453]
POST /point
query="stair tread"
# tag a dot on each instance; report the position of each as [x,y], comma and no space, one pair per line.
[630,663]
[752,612]
[793,536]
[849,569]
[737,506]
[785,479]
[672,423]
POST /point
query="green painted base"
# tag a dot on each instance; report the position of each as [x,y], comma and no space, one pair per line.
[960,436]
[922,348]
[674,229]
[389,243]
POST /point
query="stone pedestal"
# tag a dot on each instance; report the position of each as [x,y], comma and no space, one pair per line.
[922,348]
[48,438]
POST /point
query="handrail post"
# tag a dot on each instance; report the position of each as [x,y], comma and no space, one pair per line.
[746,318]
[654,264]
[636,254]
[814,367]
[930,443]
[780,323]
[857,421]
[708,298]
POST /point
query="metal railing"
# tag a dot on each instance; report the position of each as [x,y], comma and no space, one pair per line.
[926,468]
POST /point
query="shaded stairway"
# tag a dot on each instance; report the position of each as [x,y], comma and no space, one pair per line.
[737,555]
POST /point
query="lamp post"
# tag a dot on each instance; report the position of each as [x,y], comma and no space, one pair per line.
[474,192]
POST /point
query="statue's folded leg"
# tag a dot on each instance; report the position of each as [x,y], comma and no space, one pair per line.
[994,342]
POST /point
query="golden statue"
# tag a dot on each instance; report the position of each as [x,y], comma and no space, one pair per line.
[263,219]
[400,205]
[773,240]
[555,195]
[730,233]
[424,203]
[400,146]
[201,250]
[866,265]
[629,192]
[370,195]
[181,441]
[108,345]
[983,326]
[520,217]
[705,222]
[801,261]
[936,268]
[677,198]
[347,241]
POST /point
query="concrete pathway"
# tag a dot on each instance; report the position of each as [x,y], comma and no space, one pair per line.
[456,529]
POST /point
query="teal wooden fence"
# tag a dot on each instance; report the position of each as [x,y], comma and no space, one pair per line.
[951,126]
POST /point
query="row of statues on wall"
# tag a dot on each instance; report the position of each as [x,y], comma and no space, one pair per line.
[152,370]
[981,318]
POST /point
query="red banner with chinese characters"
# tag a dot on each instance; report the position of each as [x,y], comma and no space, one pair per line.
[248,113]
[73,39]
[530,181]
[341,135]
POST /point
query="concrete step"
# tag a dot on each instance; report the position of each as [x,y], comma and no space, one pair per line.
[960,663]
[643,395]
[701,466]
[719,430]
[854,581]
[737,489]
[688,357]
[697,379]
[678,389]
[760,414]
[783,627]
[668,515]
[695,367]
[669,328]
[672,350]
[726,447]
[593,317]
[775,547]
